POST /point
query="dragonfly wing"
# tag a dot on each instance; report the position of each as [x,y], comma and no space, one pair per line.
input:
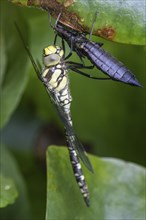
[36,67]
[71,136]
[83,154]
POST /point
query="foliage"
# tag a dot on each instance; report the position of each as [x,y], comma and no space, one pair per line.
[120,21]
[12,71]
[117,189]
[8,191]
[14,201]
[108,116]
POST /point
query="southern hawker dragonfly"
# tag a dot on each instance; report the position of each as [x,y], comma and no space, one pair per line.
[54,76]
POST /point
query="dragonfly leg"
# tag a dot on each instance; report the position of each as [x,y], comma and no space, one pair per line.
[79,65]
[91,31]
[70,53]
[63,47]
[56,35]
[55,39]
[87,75]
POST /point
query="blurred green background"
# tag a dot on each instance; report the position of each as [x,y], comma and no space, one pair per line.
[109,117]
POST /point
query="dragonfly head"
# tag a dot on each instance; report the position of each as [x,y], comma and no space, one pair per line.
[52,55]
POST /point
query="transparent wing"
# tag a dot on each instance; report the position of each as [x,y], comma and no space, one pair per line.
[37,68]
[75,143]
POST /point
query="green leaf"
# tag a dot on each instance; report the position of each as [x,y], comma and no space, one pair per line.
[12,176]
[120,21]
[9,191]
[14,76]
[117,189]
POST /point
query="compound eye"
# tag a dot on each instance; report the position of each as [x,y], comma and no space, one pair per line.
[54,58]
[51,60]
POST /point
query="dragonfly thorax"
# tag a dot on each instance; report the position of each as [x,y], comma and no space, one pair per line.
[52,55]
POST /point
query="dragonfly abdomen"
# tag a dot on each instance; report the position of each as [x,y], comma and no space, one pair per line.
[76,166]
[64,98]
[107,63]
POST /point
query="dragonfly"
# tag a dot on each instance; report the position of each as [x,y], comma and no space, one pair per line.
[54,76]
[93,51]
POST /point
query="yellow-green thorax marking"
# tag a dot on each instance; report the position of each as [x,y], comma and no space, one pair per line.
[54,72]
